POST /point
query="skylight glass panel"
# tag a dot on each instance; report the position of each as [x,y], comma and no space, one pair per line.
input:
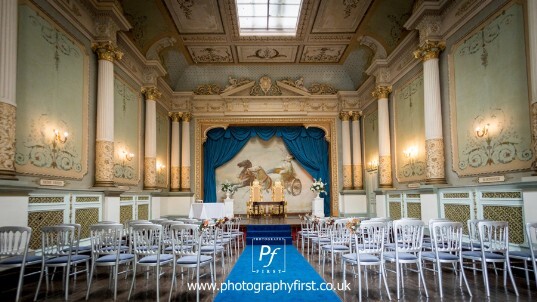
[268,17]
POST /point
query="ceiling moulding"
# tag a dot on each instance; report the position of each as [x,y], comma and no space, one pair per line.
[458,13]
[374,45]
[167,97]
[87,16]
[196,17]
[399,62]
[340,16]
[157,47]
[364,93]
[182,101]
[148,70]
[349,101]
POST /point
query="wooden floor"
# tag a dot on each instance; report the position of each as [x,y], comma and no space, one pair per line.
[145,288]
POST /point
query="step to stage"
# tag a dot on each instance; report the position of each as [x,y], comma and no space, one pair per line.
[268,234]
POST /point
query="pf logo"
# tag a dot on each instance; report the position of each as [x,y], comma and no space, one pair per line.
[268,256]
[265,251]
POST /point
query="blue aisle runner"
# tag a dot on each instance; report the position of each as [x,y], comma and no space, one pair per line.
[289,277]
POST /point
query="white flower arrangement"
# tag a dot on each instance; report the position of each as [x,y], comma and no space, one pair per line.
[318,186]
[227,187]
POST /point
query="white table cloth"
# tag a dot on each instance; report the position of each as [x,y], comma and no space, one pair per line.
[206,210]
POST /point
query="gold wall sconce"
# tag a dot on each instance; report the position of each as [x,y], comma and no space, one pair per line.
[411,153]
[127,156]
[58,136]
[482,130]
[372,165]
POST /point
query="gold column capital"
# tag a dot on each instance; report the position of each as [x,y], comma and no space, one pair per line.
[175,116]
[382,92]
[344,115]
[107,51]
[186,116]
[429,50]
[151,93]
[355,115]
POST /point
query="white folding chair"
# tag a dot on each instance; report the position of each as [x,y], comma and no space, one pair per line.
[147,251]
[339,240]
[408,238]
[446,248]
[186,245]
[106,251]
[494,243]
[14,241]
[528,255]
[57,244]
[368,253]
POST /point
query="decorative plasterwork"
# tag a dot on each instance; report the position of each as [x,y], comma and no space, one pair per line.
[195,17]
[154,50]
[328,124]
[340,16]
[378,49]
[322,54]
[215,54]
[263,54]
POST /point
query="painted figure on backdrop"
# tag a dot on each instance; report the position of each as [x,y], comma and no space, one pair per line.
[249,173]
[287,174]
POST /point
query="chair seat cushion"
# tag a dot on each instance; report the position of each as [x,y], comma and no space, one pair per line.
[441,256]
[363,257]
[521,254]
[18,260]
[64,259]
[211,248]
[112,258]
[477,255]
[153,258]
[178,247]
[402,256]
[192,259]
[338,247]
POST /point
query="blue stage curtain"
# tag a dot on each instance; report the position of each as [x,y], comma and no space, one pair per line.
[308,146]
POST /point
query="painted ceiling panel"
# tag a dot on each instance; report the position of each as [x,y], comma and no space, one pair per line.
[196,17]
[340,16]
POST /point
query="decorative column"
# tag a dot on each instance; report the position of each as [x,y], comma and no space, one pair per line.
[357,167]
[532,34]
[8,86]
[104,137]
[152,94]
[385,158]
[434,140]
[346,150]
[175,173]
[185,152]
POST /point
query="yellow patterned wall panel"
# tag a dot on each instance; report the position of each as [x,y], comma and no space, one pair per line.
[143,211]
[458,212]
[413,210]
[513,215]
[86,217]
[125,214]
[395,210]
[37,220]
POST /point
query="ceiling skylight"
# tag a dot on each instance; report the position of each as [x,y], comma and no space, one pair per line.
[268,17]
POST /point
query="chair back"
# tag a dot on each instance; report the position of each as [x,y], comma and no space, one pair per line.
[373,234]
[76,239]
[278,191]
[57,241]
[14,241]
[184,237]
[339,234]
[447,236]
[494,236]
[408,235]
[473,234]
[146,239]
[105,239]
[389,238]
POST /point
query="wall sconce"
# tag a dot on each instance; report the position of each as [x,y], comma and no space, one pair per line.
[372,165]
[160,166]
[128,156]
[58,137]
[411,153]
[482,130]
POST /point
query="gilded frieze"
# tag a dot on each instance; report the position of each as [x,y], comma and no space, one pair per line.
[217,54]
[7,136]
[175,177]
[347,177]
[357,173]
[185,179]
[104,162]
[435,159]
[316,54]
[385,171]
[150,175]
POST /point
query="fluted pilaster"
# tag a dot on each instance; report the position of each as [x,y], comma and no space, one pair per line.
[346,150]
[175,156]
[8,85]
[357,167]
[185,152]
[152,94]
[104,136]
[434,140]
[385,163]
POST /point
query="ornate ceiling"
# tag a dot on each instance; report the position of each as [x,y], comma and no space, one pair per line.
[198,41]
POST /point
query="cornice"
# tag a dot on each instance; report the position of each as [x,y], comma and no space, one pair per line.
[425,8]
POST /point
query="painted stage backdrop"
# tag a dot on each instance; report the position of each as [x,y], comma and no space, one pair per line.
[268,161]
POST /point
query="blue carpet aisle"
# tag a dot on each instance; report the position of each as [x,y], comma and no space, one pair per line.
[265,234]
[249,273]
